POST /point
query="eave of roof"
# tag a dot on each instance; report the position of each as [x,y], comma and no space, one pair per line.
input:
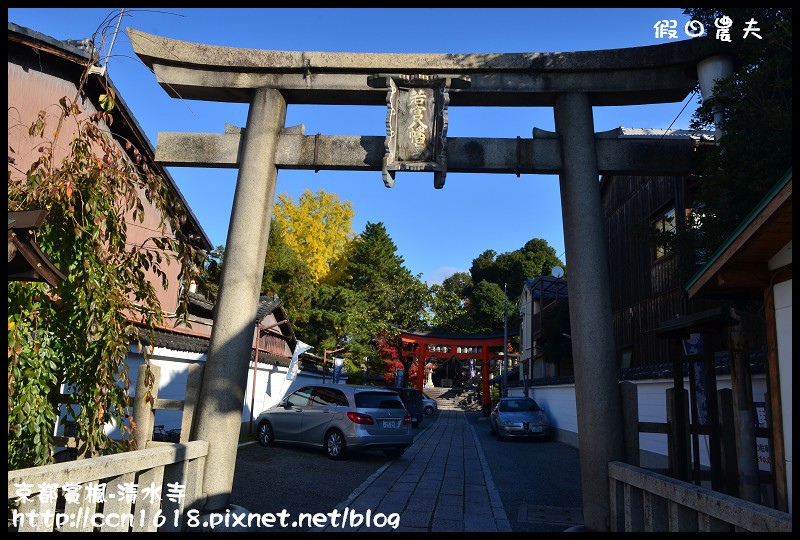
[551,286]
[770,204]
[79,57]
[26,261]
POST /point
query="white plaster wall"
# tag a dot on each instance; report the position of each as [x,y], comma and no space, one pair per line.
[783,321]
[270,384]
[559,402]
[174,367]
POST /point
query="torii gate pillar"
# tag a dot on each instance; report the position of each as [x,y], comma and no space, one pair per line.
[219,413]
[597,396]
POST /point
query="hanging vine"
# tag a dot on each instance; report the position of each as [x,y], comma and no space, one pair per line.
[75,337]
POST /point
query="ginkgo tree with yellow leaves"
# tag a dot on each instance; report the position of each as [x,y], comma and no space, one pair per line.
[319,228]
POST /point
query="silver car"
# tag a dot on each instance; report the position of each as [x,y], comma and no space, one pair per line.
[339,418]
[429,405]
[519,417]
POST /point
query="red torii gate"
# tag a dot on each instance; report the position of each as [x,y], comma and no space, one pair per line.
[422,347]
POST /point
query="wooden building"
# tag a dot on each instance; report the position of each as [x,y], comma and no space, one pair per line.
[647,277]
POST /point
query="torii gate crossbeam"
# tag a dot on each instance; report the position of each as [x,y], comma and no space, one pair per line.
[571,83]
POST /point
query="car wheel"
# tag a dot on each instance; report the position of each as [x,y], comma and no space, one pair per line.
[429,410]
[414,423]
[394,453]
[335,446]
[492,430]
[264,433]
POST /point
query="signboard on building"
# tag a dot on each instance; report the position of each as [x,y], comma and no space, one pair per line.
[762,444]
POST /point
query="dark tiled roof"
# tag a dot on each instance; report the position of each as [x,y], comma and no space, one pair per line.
[445,335]
[182,342]
[177,342]
[266,305]
[201,301]
[272,304]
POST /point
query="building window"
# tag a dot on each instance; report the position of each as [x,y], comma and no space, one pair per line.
[525,336]
[625,357]
[663,228]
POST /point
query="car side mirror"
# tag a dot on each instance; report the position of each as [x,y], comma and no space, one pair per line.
[286,404]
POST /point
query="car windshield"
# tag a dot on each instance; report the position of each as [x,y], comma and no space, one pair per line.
[377,400]
[516,405]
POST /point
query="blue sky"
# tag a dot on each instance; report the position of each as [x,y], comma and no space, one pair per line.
[437,232]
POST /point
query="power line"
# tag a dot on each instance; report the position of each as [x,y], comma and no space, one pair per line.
[680,113]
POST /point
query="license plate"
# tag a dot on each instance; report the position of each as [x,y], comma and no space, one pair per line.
[389,424]
[536,429]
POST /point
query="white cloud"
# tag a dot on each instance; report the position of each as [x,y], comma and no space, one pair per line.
[442,273]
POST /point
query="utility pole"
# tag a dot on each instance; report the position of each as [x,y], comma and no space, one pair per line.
[325,360]
[504,386]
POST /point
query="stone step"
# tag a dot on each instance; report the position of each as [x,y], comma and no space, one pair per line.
[455,399]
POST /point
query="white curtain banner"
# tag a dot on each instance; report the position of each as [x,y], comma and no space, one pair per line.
[299,349]
[337,369]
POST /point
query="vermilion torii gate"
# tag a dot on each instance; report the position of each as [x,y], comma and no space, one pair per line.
[477,350]
[417,90]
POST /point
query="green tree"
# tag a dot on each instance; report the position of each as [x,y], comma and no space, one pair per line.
[535,258]
[287,276]
[79,332]
[460,284]
[374,258]
[208,280]
[390,297]
[487,308]
[506,270]
[327,321]
[756,149]
[449,303]
[484,268]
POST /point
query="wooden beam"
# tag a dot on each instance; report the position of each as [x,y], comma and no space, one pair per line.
[743,279]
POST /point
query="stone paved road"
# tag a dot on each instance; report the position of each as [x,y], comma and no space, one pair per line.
[538,481]
[525,486]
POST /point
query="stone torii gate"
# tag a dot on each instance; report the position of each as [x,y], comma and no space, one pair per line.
[417,90]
